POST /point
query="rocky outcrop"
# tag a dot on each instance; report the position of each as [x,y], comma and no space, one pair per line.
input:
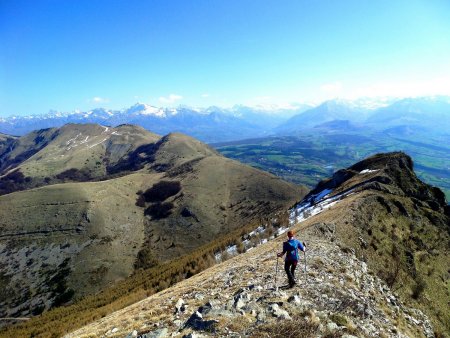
[388,172]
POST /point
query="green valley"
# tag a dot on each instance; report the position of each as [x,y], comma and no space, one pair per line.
[309,157]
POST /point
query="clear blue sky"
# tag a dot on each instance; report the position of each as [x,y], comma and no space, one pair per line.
[75,54]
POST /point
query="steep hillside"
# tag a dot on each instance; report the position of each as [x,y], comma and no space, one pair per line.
[396,223]
[376,266]
[147,200]
[5,142]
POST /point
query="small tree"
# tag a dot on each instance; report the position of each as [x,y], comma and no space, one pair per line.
[240,247]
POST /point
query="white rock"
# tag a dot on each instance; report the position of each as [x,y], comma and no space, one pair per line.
[332,327]
[132,334]
[279,313]
[294,299]
[179,305]
[199,296]
[364,267]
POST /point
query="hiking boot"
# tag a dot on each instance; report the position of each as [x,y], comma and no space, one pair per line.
[292,284]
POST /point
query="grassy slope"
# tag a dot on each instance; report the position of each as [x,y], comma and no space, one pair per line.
[73,239]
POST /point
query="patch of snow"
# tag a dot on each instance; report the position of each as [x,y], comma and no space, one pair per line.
[218,256]
[232,250]
[258,230]
[367,171]
[96,144]
[313,206]
[322,194]
[73,139]
[85,140]
[281,231]
[248,244]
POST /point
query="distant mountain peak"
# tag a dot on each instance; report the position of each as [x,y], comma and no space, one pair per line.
[146,109]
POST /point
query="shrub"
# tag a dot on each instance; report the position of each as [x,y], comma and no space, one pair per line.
[134,160]
[159,210]
[240,247]
[140,201]
[391,272]
[339,319]
[74,174]
[64,297]
[14,181]
[418,287]
[162,191]
[145,258]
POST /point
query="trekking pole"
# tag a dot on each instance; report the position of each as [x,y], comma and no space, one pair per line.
[276,275]
[304,252]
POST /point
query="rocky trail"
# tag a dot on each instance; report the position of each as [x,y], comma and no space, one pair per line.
[338,296]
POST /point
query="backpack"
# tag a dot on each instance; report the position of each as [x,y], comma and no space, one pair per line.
[291,250]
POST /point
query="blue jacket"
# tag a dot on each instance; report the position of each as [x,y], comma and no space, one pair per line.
[291,247]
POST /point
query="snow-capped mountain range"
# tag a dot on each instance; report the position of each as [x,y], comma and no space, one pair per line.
[209,124]
[216,124]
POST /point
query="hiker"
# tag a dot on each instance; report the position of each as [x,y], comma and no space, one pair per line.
[290,248]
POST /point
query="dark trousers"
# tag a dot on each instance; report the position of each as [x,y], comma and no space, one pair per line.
[289,267]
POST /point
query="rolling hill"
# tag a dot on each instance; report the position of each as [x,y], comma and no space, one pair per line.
[85,206]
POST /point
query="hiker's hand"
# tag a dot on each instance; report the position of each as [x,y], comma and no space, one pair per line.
[279,254]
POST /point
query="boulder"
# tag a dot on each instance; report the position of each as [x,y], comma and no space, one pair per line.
[196,322]
[276,311]
[179,306]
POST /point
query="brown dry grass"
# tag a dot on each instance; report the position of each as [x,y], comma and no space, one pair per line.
[299,326]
